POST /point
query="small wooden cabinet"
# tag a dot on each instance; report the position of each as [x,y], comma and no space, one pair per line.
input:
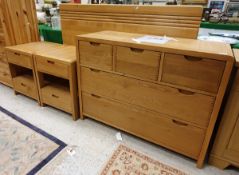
[46,72]
[225,150]
[169,94]
[57,83]
[23,73]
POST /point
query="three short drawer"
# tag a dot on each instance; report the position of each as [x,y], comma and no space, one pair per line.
[193,72]
[137,62]
[96,55]
[184,71]
[146,124]
[47,65]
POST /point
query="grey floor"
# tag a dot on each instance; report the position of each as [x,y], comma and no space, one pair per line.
[95,140]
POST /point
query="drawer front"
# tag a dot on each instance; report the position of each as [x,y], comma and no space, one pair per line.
[20,59]
[138,62]
[96,55]
[192,107]
[5,76]
[56,97]
[197,73]
[3,65]
[25,85]
[52,67]
[150,126]
[3,59]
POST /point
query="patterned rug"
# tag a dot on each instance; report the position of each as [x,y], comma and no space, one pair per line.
[126,161]
[24,148]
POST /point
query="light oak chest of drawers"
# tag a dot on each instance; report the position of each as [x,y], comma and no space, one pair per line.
[169,94]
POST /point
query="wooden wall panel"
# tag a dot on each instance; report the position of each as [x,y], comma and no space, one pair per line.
[175,21]
[19,21]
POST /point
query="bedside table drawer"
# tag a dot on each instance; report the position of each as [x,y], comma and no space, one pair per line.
[57,96]
[52,67]
[193,72]
[96,55]
[20,59]
[138,62]
[25,85]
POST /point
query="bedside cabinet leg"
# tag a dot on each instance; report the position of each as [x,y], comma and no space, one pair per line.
[219,163]
[16,93]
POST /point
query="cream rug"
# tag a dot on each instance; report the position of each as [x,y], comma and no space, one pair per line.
[24,148]
[126,161]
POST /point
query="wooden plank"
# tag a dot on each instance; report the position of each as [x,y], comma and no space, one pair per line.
[182,10]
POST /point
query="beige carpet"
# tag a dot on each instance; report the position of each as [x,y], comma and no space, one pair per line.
[24,148]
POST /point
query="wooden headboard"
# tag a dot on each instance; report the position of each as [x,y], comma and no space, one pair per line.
[175,21]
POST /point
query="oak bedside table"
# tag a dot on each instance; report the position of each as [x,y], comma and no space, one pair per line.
[56,74]
[21,64]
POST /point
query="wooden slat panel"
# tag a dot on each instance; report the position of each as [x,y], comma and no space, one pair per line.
[182,10]
[175,21]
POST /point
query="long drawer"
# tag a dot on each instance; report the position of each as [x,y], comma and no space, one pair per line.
[193,72]
[192,107]
[151,126]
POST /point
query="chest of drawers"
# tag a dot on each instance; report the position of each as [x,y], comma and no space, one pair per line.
[169,94]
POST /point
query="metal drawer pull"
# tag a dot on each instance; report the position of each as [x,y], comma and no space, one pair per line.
[94,70]
[96,96]
[179,123]
[18,54]
[137,50]
[94,44]
[50,62]
[190,58]
[185,92]
[55,96]
[22,84]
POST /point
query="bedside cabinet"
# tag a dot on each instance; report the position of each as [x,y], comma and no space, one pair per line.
[57,83]
[22,72]
[225,150]
[22,69]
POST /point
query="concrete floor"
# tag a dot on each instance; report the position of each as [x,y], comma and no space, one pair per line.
[94,140]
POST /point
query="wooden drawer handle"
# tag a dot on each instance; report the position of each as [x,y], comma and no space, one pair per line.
[50,62]
[185,92]
[137,50]
[190,58]
[18,54]
[94,70]
[22,84]
[96,96]
[55,96]
[179,123]
[94,44]
[5,74]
